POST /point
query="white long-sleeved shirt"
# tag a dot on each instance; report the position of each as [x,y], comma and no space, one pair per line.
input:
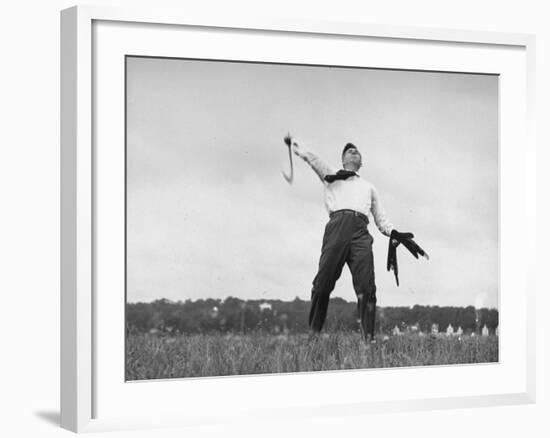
[353,193]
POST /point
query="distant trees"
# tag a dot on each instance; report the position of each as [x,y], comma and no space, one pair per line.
[276,316]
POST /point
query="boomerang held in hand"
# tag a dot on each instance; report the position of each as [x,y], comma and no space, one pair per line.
[288,141]
[392,260]
[396,238]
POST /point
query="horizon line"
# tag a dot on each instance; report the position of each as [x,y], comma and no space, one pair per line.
[265,300]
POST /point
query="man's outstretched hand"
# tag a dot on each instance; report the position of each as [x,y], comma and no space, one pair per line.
[397,238]
[288,140]
[295,145]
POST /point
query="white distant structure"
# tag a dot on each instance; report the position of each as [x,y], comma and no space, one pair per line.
[435,329]
[396,331]
[485,331]
[459,331]
[450,330]
[265,306]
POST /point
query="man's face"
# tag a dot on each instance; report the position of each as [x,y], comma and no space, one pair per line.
[352,155]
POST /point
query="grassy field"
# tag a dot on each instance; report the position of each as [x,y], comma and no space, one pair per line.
[160,357]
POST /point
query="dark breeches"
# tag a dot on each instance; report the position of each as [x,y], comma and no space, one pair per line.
[346,240]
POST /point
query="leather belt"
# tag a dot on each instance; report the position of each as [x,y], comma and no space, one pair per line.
[348,211]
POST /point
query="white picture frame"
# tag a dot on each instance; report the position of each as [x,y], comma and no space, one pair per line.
[87,378]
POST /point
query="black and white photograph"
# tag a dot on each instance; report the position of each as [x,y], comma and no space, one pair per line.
[275,219]
[286,218]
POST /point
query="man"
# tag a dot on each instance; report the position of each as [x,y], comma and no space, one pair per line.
[348,200]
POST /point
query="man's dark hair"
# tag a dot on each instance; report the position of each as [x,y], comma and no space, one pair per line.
[346,147]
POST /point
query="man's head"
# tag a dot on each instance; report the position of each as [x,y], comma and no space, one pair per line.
[351,157]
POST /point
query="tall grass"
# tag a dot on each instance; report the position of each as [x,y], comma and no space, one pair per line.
[155,357]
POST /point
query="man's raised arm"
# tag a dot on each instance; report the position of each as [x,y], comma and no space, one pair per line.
[318,165]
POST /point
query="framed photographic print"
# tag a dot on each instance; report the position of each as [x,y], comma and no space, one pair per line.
[265,215]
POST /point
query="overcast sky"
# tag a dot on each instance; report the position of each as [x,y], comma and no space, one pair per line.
[209,214]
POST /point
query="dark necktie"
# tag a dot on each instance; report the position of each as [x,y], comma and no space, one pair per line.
[341,174]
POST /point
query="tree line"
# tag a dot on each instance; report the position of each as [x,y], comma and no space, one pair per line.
[277,316]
